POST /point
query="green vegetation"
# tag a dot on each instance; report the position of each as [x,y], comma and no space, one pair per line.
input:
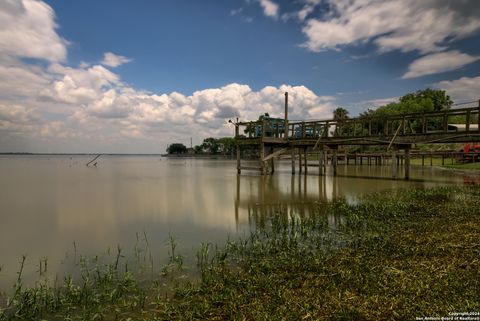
[447,164]
[426,100]
[224,146]
[176,148]
[391,256]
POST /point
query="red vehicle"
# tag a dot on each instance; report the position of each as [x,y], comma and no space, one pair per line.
[471,152]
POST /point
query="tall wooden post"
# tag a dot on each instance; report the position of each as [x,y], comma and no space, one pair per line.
[239,169]
[407,162]
[286,115]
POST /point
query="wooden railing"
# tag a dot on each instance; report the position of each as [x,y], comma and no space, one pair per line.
[425,123]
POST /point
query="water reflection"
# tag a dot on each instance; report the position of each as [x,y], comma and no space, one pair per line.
[260,197]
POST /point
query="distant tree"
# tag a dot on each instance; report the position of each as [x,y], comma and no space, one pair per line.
[210,145]
[226,145]
[198,149]
[177,148]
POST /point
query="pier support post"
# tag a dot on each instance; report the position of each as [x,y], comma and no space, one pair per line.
[394,163]
[300,161]
[262,156]
[293,161]
[305,159]
[320,162]
[239,169]
[272,162]
[334,160]
[407,162]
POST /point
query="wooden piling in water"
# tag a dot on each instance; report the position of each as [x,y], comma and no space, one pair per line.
[320,162]
[394,163]
[334,161]
[299,161]
[293,161]
[407,163]
[305,159]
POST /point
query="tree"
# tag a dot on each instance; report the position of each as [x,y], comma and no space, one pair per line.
[176,148]
[227,145]
[426,100]
[210,145]
[340,114]
[421,101]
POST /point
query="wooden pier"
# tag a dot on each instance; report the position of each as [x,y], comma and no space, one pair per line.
[274,138]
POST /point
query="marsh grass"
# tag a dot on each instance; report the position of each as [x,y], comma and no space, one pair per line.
[392,256]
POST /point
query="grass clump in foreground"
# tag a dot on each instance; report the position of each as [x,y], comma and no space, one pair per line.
[396,255]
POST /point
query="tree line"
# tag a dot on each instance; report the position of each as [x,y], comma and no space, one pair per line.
[210,146]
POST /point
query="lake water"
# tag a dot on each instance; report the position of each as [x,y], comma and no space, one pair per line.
[55,207]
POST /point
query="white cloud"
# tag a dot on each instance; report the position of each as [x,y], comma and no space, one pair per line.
[270,8]
[27,29]
[438,62]
[463,89]
[405,25]
[113,60]
[88,108]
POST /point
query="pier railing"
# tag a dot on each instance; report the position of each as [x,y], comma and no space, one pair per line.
[425,123]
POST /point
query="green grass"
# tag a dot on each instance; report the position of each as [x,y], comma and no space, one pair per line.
[392,256]
[447,163]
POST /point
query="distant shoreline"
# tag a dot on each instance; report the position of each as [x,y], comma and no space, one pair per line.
[121,154]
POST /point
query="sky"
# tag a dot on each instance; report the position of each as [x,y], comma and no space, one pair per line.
[134,76]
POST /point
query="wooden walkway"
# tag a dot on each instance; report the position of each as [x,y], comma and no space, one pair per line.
[276,137]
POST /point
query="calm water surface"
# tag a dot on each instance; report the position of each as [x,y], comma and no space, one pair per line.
[48,203]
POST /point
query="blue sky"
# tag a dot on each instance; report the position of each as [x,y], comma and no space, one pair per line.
[133,76]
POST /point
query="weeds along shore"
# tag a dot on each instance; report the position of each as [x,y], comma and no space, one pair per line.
[394,255]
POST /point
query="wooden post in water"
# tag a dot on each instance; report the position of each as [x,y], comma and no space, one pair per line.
[325,161]
[293,161]
[407,162]
[262,156]
[299,161]
[394,162]
[423,160]
[272,162]
[320,162]
[305,159]
[334,160]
